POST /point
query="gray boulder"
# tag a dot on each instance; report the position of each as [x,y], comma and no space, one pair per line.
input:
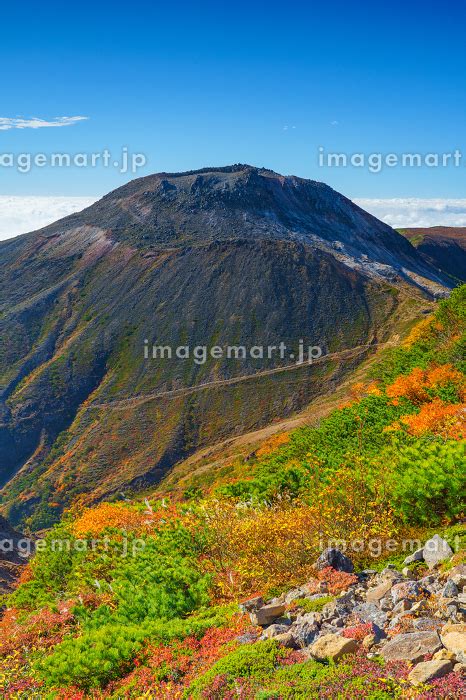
[458,575]
[407,590]
[304,630]
[402,607]
[267,614]
[294,594]
[436,550]
[252,604]
[428,671]
[332,646]
[378,592]
[413,646]
[427,624]
[274,630]
[397,619]
[370,612]
[336,559]
[418,555]
[450,590]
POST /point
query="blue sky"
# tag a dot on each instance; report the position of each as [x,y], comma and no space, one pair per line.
[213,83]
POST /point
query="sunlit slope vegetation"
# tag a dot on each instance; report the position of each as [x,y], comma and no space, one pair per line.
[150,607]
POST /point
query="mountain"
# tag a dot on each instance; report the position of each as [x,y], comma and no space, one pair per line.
[441,246]
[221,256]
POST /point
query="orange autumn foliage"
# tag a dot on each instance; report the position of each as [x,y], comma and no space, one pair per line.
[372,389]
[440,375]
[336,581]
[410,386]
[273,444]
[415,386]
[439,418]
[108,515]
[361,389]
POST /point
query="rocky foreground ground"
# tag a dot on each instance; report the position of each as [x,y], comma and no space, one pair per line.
[417,615]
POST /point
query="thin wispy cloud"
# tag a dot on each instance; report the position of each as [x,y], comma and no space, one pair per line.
[7,123]
[416,213]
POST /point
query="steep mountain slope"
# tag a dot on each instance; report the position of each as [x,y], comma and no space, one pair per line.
[12,559]
[442,246]
[229,256]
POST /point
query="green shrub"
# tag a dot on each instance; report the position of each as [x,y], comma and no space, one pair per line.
[94,659]
[357,430]
[107,651]
[158,584]
[51,567]
[428,482]
[316,605]
[251,660]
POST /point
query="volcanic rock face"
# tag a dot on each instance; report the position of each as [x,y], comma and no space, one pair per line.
[245,203]
[12,558]
[229,256]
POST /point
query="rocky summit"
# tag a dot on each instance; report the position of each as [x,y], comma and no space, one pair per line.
[217,257]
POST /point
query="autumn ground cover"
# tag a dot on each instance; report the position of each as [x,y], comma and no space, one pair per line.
[139,599]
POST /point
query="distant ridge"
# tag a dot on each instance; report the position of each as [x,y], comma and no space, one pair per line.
[443,247]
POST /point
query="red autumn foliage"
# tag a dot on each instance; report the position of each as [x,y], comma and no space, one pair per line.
[337,581]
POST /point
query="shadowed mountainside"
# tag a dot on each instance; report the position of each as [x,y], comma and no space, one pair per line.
[442,247]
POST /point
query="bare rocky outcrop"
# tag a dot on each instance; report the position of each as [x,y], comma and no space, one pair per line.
[379,614]
[429,670]
[12,556]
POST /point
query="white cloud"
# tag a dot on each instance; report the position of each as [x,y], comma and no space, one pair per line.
[416,213]
[7,123]
[23,214]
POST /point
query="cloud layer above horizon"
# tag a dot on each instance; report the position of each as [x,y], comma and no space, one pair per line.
[22,214]
[416,213]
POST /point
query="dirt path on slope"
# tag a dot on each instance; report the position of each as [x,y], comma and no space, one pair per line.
[214,457]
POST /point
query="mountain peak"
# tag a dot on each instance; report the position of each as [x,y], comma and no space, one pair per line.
[241,202]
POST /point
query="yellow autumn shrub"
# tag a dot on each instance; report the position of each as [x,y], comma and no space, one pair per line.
[253,548]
